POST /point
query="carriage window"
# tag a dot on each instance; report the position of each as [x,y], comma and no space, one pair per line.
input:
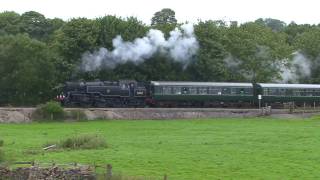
[203,90]
[242,91]
[248,91]
[214,90]
[316,92]
[234,90]
[184,90]
[309,92]
[193,90]
[158,90]
[166,90]
[274,91]
[296,92]
[288,92]
[226,91]
[176,90]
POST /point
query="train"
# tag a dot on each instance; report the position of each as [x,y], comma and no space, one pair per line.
[131,93]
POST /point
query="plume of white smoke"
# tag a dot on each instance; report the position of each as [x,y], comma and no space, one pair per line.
[300,67]
[232,62]
[180,46]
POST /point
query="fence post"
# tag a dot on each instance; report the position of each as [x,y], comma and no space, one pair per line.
[109,172]
[165,177]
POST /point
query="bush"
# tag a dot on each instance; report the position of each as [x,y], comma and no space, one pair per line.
[85,141]
[51,110]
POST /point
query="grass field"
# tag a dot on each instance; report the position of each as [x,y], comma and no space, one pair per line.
[183,149]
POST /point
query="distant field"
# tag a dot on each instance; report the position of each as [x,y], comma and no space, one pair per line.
[183,149]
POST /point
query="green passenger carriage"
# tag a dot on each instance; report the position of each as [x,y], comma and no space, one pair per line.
[201,93]
[282,93]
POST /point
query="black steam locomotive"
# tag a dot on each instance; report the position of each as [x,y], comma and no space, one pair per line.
[104,94]
[129,93]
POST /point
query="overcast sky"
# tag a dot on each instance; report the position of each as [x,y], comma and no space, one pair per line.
[306,11]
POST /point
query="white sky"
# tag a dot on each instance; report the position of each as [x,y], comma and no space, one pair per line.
[186,10]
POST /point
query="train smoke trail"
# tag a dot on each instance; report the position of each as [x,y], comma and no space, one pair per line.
[300,67]
[181,46]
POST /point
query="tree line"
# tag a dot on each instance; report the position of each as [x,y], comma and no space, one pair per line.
[37,54]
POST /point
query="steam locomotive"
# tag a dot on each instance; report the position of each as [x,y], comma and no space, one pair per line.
[129,93]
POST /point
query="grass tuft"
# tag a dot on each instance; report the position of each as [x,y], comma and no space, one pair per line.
[84,141]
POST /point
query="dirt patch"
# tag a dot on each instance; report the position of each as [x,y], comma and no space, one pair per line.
[25,115]
[16,115]
[167,113]
[293,115]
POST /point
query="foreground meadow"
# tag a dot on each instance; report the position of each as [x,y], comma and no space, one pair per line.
[183,149]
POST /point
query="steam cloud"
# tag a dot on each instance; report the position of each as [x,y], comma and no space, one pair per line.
[180,46]
[300,67]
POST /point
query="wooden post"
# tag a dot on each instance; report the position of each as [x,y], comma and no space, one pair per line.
[291,107]
[165,177]
[314,105]
[51,115]
[109,172]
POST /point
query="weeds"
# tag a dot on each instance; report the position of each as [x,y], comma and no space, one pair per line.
[85,141]
[51,111]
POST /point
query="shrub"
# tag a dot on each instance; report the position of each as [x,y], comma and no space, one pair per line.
[51,111]
[85,141]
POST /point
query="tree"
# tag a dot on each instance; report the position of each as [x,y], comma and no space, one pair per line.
[275,24]
[165,16]
[35,24]
[162,68]
[294,30]
[259,50]
[308,43]
[112,26]
[26,70]
[9,23]
[209,64]
[76,37]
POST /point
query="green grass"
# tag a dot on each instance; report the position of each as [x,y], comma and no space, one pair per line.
[183,149]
